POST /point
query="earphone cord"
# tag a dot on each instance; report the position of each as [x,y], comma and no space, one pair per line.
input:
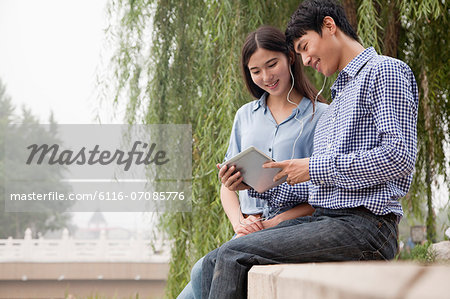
[295,117]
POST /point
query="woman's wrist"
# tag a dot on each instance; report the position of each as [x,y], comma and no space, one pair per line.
[278,219]
[237,222]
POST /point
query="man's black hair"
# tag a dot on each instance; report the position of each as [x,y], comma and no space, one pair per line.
[309,16]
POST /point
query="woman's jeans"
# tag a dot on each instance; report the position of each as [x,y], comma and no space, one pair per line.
[193,290]
[327,235]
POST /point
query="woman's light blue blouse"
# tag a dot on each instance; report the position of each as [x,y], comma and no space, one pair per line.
[255,126]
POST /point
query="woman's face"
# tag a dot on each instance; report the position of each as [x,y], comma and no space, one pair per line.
[270,71]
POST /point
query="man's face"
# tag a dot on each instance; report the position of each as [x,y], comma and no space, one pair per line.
[319,52]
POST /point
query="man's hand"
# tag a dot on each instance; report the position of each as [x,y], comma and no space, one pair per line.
[231,178]
[297,170]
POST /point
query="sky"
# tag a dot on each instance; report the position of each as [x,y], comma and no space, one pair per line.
[49,53]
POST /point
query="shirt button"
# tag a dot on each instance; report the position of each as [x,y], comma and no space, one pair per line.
[329,145]
[270,149]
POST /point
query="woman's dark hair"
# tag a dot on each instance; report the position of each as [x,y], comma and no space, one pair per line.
[272,39]
[309,16]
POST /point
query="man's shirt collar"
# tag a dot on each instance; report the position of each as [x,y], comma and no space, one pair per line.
[352,69]
[358,62]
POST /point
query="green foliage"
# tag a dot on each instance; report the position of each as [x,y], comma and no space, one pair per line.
[420,253]
[368,24]
[426,51]
[188,71]
[15,223]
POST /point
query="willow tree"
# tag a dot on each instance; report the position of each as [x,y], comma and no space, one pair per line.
[12,137]
[178,62]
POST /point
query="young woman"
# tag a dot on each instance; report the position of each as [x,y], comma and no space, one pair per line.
[280,123]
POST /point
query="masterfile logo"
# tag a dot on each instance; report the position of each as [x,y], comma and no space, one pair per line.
[94,156]
[98,167]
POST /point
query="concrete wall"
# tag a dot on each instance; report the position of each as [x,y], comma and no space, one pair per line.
[58,280]
[357,280]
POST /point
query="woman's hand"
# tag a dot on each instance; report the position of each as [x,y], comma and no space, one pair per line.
[272,221]
[297,170]
[248,225]
[231,178]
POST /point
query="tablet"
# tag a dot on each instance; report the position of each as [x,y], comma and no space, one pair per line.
[249,163]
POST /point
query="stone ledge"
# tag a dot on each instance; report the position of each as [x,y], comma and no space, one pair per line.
[83,271]
[349,280]
[82,280]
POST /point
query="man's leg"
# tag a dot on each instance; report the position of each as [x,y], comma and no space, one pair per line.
[330,235]
[208,265]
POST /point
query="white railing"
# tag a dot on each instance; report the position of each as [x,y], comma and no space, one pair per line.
[68,249]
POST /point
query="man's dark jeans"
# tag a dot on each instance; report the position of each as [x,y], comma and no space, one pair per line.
[328,235]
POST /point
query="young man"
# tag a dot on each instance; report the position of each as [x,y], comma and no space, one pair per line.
[364,155]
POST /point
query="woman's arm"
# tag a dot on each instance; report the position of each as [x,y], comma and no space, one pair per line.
[300,210]
[230,203]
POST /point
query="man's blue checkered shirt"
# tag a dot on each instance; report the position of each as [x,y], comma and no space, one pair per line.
[365,144]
